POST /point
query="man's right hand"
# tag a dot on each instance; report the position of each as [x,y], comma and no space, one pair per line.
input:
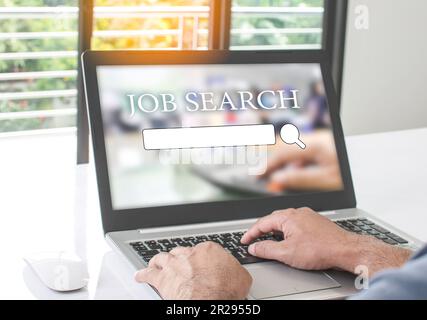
[313,242]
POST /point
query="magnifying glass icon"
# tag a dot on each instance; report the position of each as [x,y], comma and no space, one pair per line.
[291,135]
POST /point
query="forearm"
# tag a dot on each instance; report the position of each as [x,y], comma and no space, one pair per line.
[371,253]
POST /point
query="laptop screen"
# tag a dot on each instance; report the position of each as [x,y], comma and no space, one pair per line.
[181,134]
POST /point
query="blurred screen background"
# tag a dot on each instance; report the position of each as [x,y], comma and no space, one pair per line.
[138,178]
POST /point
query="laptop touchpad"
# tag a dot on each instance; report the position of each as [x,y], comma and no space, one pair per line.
[271,279]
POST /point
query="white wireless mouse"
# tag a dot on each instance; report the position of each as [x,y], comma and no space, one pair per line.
[59,271]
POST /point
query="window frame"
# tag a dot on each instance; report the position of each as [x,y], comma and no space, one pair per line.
[333,47]
[85,28]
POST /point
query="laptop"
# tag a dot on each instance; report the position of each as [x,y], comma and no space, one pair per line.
[155,198]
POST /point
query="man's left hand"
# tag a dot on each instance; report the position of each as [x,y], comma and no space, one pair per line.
[205,271]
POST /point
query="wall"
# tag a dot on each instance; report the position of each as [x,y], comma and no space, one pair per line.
[385,70]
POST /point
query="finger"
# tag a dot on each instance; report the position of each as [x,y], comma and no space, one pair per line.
[272,250]
[160,260]
[272,222]
[309,178]
[178,251]
[148,275]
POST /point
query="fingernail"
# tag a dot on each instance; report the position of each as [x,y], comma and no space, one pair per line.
[251,248]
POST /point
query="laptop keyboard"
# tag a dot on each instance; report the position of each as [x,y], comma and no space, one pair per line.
[230,241]
[364,226]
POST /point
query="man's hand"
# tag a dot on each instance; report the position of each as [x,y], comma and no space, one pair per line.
[313,242]
[205,271]
[315,168]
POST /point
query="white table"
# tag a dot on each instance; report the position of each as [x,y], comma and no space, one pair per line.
[48,204]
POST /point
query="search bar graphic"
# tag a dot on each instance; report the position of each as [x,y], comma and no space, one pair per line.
[209,137]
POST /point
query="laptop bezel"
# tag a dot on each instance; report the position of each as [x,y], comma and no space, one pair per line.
[139,218]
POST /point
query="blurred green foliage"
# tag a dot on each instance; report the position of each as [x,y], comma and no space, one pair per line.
[38,24]
[243,21]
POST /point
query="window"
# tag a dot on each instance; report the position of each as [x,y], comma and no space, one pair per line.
[38,50]
[38,61]
[39,43]
[276,24]
[142,24]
